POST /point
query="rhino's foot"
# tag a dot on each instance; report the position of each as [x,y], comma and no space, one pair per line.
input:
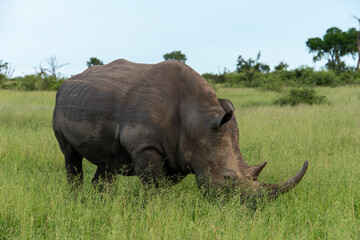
[103,179]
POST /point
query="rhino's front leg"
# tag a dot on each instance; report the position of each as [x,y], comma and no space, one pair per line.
[148,164]
[103,178]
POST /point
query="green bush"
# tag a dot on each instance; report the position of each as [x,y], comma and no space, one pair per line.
[234,79]
[28,82]
[349,78]
[215,78]
[272,83]
[210,77]
[2,80]
[244,79]
[303,76]
[300,96]
[32,82]
[9,84]
[325,78]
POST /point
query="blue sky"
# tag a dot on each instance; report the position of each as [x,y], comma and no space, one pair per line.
[212,34]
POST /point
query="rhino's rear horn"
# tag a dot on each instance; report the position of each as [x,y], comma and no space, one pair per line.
[254,171]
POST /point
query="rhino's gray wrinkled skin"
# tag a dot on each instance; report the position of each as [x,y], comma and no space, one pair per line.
[153,121]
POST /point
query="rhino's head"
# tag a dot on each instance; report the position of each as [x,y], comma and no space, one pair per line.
[219,163]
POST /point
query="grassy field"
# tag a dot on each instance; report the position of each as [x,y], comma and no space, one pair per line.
[36,202]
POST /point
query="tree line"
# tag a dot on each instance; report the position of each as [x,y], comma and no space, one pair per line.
[333,46]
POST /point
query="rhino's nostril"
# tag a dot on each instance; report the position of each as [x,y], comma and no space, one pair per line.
[229,178]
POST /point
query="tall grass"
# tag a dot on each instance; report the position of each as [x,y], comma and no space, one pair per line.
[36,202]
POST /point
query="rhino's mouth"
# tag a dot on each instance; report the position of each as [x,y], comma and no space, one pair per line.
[254,189]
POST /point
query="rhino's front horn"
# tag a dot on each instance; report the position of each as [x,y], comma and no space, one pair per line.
[274,190]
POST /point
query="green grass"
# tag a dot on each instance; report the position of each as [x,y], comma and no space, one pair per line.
[36,202]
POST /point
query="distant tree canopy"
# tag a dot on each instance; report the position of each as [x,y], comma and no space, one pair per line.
[251,65]
[175,55]
[358,45]
[52,68]
[334,45]
[94,61]
[6,69]
[3,67]
[281,66]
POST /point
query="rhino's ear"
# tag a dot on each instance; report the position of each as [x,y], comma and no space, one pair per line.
[226,105]
[219,121]
[226,118]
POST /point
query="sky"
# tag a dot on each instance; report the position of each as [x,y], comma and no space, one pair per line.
[211,33]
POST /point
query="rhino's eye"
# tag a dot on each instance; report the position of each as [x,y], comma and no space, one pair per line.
[218,132]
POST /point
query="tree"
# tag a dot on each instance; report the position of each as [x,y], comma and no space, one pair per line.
[175,55]
[3,65]
[6,69]
[358,45]
[281,66]
[334,45]
[94,61]
[3,68]
[52,69]
[251,65]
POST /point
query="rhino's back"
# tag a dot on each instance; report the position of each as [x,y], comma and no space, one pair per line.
[126,88]
[110,81]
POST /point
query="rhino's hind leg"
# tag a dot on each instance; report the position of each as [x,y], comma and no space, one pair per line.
[73,160]
[103,178]
[73,165]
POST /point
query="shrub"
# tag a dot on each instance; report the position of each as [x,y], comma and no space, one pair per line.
[303,76]
[349,78]
[298,96]
[32,82]
[244,79]
[272,83]
[210,77]
[235,79]
[325,78]
[28,82]
[215,78]
[2,80]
